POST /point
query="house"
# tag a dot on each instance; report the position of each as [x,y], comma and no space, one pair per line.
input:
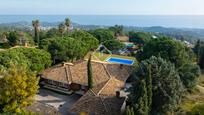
[42,109]
[108,80]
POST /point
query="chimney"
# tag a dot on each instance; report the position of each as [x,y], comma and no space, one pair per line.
[118,94]
[63,64]
[121,66]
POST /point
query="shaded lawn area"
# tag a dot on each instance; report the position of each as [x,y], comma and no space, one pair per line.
[196,98]
[192,100]
[201,79]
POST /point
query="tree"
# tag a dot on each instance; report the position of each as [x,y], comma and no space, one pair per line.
[66,49]
[54,32]
[67,23]
[129,111]
[168,49]
[114,45]
[70,48]
[189,74]
[13,38]
[166,86]
[61,29]
[149,88]
[18,37]
[117,29]
[17,89]
[197,50]
[102,34]
[88,40]
[34,59]
[139,37]
[36,25]
[38,59]
[89,74]
[139,101]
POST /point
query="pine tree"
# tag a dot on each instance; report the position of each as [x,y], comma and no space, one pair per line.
[167,89]
[90,75]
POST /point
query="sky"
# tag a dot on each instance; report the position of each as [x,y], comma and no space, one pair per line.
[101,7]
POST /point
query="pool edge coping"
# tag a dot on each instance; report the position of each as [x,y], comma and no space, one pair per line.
[133,61]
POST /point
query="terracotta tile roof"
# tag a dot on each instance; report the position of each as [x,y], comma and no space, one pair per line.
[101,99]
[42,109]
[123,38]
[120,72]
[56,73]
[97,105]
[79,73]
[111,87]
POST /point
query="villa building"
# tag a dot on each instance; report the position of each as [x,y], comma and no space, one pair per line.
[105,98]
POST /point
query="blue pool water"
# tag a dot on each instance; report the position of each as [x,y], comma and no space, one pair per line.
[120,61]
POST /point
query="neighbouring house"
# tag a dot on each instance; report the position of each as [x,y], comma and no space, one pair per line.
[123,38]
[105,98]
[42,109]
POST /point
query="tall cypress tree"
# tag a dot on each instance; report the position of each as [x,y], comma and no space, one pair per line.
[139,101]
[149,87]
[90,74]
[129,111]
[197,49]
[36,25]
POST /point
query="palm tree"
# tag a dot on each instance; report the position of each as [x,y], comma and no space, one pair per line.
[61,29]
[67,23]
[36,25]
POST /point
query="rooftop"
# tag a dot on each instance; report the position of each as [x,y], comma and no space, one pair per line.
[107,79]
[77,72]
[42,109]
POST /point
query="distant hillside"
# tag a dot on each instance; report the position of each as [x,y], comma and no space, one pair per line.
[182,33]
[179,33]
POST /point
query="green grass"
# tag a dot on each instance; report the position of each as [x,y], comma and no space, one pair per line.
[125,57]
[194,103]
[201,79]
[191,101]
[101,57]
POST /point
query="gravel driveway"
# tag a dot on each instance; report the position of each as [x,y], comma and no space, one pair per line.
[61,102]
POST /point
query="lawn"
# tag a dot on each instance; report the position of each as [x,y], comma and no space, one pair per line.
[201,79]
[196,98]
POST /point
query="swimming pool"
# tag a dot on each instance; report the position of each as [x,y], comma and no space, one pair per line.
[120,61]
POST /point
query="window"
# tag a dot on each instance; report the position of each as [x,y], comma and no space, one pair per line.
[50,81]
[61,84]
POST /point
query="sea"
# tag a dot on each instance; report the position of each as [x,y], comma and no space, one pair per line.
[175,21]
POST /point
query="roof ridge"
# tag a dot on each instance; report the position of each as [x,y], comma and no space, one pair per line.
[70,73]
[93,92]
[67,76]
[104,86]
[104,105]
[110,77]
[106,70]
